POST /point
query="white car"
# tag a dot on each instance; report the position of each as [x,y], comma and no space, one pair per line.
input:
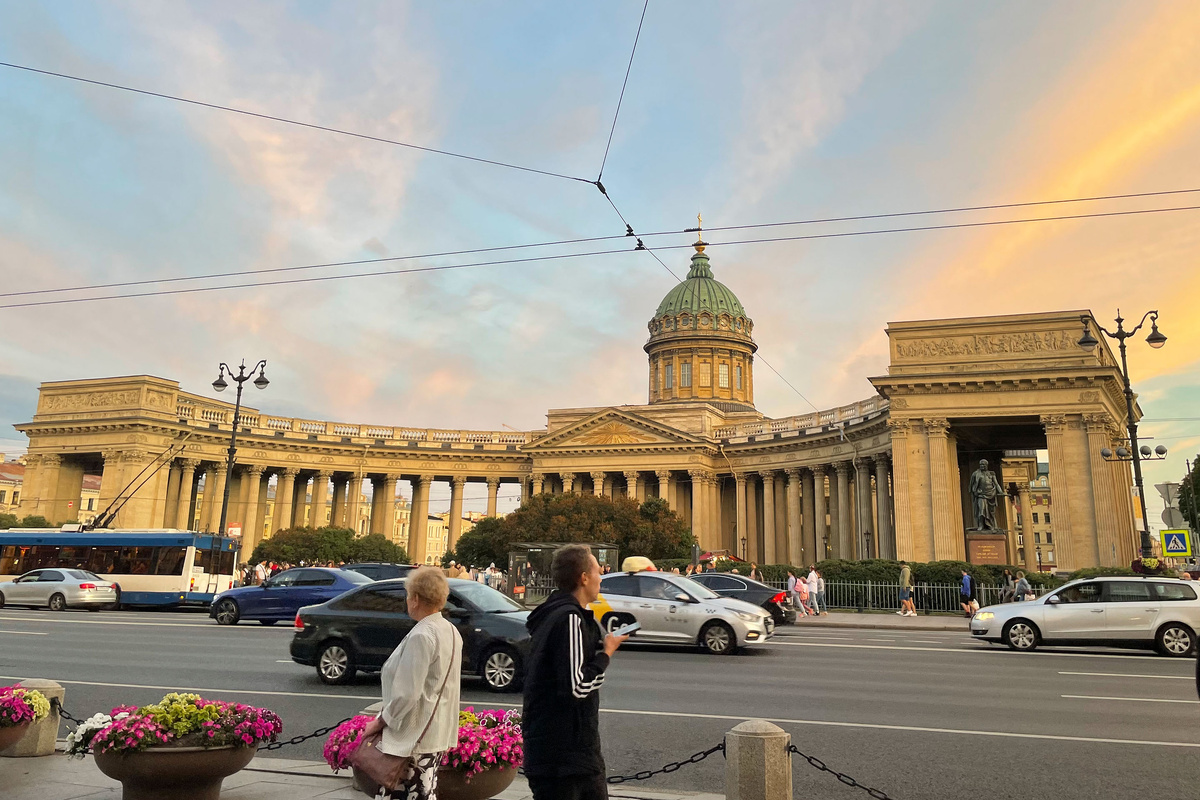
[1163,613]
[674,610]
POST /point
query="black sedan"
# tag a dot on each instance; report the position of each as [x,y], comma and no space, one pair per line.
[360,629]
[759,594]
[381,570]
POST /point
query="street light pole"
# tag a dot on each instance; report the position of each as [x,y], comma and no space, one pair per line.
[220,385]
[1155,340]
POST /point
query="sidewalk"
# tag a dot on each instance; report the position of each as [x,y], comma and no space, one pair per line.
[60,778]
[890,621]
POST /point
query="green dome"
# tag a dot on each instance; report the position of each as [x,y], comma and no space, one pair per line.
[700,292]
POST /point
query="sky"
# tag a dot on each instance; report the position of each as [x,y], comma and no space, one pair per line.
[748,113]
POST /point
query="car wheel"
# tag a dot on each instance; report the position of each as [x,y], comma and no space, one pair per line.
[1021,635]
[335,665]
[718,639]
[228,613]
[58,602]
[1175,640]
[1,599]
[501,670]
[267,621]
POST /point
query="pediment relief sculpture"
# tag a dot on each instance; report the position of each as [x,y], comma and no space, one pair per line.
[613,433]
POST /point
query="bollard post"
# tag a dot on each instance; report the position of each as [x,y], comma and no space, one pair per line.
[39,739]
[757,763]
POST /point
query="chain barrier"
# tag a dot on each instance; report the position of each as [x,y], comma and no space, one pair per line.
[62,712]
[669,768]
[813,761]
[298,739]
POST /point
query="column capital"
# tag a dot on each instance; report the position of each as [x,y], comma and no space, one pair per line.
[567,476]
[1022,486]
[862,462]
[35,459]
[937,426]
[819,470]
[254,470]
[699,475]
[51,460]
[767,475]
[631,475]
[493,481]
[326,474]
[842,467]
[457,481]
[740,477]
[882,459]
[1054,423]
[899,427]
[537,476]
[186,463]
[793,473]
[290,472]
[222,468]
[424,479]
[663,474]
[598,477]
[137,456]
[1098,423]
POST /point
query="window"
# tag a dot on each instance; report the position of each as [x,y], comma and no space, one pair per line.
[51,576]
[738,373]
[1047,517]
[1128,592]
[685,375]
[656,588]
[624,585]
[705,373]
[315,577]
[670,373]
[286,578]
[1049,556]
[723,376]
[1049,537]
[3,495]
[204,560]
[1081,593]
[1174,591]
[720,583]
[1037,538]
[91,505]
[1035,519]
[381,601]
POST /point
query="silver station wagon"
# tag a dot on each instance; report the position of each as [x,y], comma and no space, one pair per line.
[1162,613]
[674,610]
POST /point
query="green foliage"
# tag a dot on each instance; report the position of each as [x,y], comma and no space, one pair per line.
[35,521]
[1187,498]
[8,521]
[1098,572]
[326,544]
[181,714]
[880,570]
[651,529]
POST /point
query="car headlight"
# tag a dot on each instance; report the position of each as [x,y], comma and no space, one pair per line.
[746,616]
[984,616]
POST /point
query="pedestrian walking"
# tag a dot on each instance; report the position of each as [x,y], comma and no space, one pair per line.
[805,598]
[420,681]
[966,595]
[906,599]
[821,594]
[566,666]
[755,575]
[1008,593]
[812,582]
[1022,591]
[793,595]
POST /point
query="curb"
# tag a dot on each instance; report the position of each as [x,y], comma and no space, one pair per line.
[878,627]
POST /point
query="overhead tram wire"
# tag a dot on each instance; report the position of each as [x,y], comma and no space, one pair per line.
[286,121]
[620,99]
[641,246]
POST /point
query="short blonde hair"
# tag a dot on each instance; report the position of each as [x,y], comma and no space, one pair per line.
[429,586]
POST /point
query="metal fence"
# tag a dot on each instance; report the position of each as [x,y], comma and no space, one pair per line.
[927,597]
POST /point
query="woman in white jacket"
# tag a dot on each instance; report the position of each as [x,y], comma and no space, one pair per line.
[420,717]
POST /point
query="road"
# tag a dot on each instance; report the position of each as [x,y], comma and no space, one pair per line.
[928,715]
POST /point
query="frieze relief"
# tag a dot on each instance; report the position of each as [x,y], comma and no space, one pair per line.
[75,402]
[987,345]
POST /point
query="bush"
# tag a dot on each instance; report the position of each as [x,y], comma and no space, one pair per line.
[1100,572]
[319,545]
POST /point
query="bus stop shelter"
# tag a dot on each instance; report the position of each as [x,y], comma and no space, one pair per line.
[529,579]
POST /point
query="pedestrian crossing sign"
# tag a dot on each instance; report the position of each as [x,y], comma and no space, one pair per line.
[1176,542]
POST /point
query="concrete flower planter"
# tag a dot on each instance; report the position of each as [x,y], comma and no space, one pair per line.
[452,783]
[11,734]
[174,773]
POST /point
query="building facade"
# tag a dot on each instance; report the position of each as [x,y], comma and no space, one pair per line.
[885,476]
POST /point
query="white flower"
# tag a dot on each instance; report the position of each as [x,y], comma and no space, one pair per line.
[80,739]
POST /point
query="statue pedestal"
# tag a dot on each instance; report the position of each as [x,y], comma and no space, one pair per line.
[987,548]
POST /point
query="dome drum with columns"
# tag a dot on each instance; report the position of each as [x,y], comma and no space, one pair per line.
[881,477]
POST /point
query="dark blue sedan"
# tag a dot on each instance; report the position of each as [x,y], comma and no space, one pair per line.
[281,596]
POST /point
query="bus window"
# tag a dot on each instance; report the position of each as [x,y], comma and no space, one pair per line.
[10,560]
[224,561]
[170,560]
[103,560]
[137,561]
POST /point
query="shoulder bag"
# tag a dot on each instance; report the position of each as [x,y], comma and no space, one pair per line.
[387,770]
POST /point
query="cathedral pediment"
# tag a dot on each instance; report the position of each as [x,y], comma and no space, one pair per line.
[612,428]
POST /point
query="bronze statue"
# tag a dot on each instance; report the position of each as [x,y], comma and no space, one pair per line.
[985,491]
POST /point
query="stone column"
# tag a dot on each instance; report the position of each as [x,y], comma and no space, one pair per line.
[1128,538]
[822,532]
[699,523]
[171,511]
[903,534]
[568,482]
[536,479]
[598,483]
[947,544]
[285,489]
[842,534]
[809,546]
[493,487]
[885,537]
[768,483]
[1064,551]
[375,522]
[1097,426]
[862,479]
[389,506]
[753,547]
[354,502]
[1031,564]
[320,498]
[252,520]
[418,519]
[204,523]
[221,473]
[633,486]
[795,553]
[740,532]
[337,517]
[454,526]
[666,488]
[187,484]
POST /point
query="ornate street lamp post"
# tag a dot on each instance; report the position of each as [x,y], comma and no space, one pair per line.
[1134,453]
[221,385]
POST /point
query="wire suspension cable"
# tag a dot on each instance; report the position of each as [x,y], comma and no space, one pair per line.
[273,118]
[624,83]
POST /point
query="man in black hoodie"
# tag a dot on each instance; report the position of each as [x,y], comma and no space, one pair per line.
[567,660]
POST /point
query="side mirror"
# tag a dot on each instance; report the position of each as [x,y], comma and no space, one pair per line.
[1052,600]
[684,598]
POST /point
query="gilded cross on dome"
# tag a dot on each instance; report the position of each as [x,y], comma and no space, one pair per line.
[699,234]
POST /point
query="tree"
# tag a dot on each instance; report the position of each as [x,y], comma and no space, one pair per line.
[319,545]
[8,521]
[35,521]
[482,545]
[1187,499]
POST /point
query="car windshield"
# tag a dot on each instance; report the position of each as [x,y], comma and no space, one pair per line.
[695,588]
[486,599]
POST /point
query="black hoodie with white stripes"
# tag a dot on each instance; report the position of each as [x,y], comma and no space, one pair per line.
[566,668]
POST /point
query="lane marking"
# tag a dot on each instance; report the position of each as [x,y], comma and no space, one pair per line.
[27,633]
[201,691]
[969,647]
[869,639]
[923,641]
[1129,699]
[1126,675]
[200,625]
[910,728]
